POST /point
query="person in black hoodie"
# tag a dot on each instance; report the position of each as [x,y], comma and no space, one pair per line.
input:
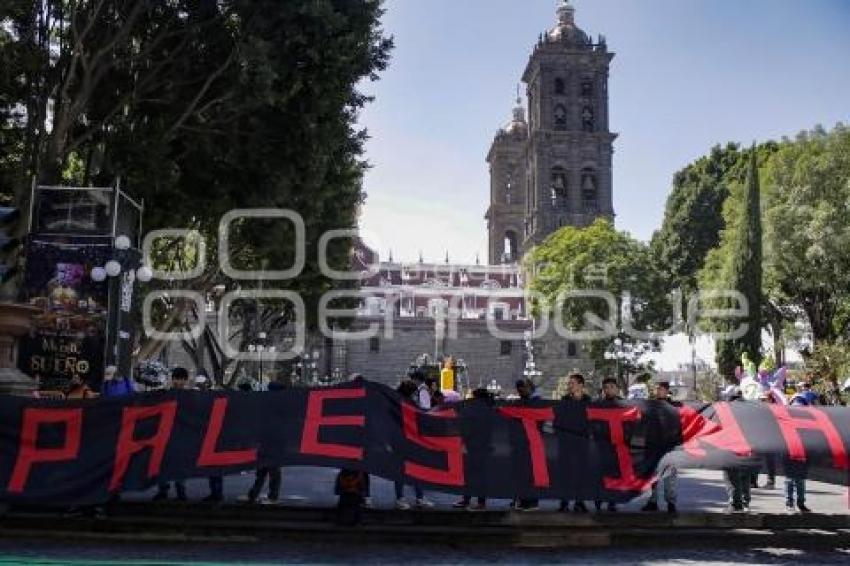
[610,395]
[577,394]
[669,476]
[479,447]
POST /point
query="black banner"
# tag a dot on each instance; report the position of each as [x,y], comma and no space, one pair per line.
[82,451]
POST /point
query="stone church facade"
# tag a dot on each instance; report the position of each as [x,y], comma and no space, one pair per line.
[554,168]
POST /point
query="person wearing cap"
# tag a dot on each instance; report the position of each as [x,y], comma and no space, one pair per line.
[669,475]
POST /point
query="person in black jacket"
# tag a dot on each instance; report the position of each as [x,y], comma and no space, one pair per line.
[576,393]
[669,476]
[610,395]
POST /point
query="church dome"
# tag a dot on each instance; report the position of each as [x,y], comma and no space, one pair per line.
[567,31]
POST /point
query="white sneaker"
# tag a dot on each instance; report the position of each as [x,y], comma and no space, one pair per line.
[266,500]
[244,499]
[367,502]
[402,505]
[422,502]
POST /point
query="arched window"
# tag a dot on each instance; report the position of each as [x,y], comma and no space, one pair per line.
[587,88]
[560,87]
[511,253]
[559,188]
[560,117]
[587,119]
[589,193]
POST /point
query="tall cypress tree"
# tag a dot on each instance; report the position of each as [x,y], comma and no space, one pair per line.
[746,264]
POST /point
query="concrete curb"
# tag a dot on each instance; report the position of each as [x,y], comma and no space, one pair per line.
[193,523]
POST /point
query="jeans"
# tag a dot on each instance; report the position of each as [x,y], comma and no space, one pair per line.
[274,476]
[669,481]
[798,485]
[399,491]
[738,486]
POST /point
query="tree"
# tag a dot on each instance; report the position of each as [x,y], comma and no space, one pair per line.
[199,108]
[693,215]
[599,257]
[807,236]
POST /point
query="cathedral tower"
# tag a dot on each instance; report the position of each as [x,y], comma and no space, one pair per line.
[569,149]
[506,213]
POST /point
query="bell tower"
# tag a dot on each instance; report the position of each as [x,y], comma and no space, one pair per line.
[506,213]
[568,154]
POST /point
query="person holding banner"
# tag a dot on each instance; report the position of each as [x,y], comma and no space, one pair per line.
[179,381]
[669,475]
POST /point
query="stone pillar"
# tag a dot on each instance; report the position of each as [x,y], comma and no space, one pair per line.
[15,321]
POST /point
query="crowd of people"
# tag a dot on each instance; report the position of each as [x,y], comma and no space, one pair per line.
[353,486]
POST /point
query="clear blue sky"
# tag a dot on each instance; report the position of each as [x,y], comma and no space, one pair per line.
[687,74]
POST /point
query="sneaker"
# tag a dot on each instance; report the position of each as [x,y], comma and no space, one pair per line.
[530,508]
[160,496]
[367,502]
[99,513]
[771,484]
[477,507]
[460,504]
[424,503]
[650,506]
[734,509]
[790,508]
[579,507]
[402,505]
[266,500]
[671,508]
[803,508]
[246,499]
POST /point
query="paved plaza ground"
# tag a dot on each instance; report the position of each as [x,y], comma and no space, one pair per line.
[699,491]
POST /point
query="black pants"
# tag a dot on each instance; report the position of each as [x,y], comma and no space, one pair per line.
[216,488]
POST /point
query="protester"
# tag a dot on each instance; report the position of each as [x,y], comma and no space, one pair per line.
[352,487]
[738,479]
[610,395]
[421,397]
[577,394]
[769,459]
[795,474]
[77,389]
[179,382]
[479,445]
[113,386]
[202,382]
[669,475]
[263,473]
[525,390]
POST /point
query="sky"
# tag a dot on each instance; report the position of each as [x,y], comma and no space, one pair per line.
[688,74]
